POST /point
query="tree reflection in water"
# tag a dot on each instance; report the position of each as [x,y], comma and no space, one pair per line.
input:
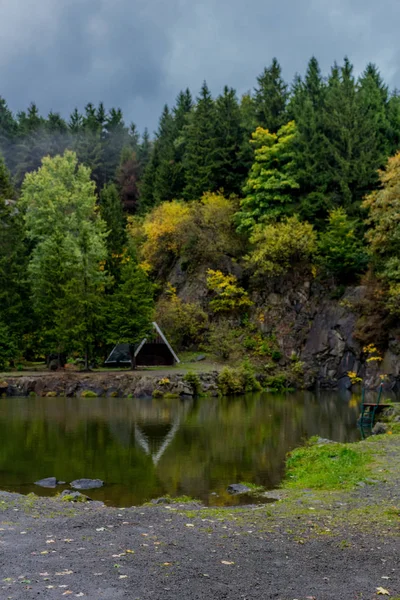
[148,448]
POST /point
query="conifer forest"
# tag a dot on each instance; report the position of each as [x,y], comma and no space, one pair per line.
[104,229]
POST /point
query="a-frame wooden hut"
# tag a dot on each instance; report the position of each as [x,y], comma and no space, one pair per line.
[154,350]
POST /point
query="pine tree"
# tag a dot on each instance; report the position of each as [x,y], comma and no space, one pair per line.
[307,108]
[271,97]
[14,292]
[352,134]
[394,122]
[229,172]
[144,152]
[132,307]
[115,138]
[8,133]
[127,179]
[200,144]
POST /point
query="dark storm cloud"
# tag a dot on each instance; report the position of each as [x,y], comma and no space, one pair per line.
[137,54]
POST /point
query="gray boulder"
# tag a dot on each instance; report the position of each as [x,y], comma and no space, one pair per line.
[48,482]
[86,484]
[379,428]
[238,488]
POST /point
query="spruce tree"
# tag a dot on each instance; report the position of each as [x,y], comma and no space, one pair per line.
[200,147]
[307,108]
[229,171]
[127,178]
[271,97]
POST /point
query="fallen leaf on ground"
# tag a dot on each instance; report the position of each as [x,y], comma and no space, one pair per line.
[189,525]
[123,576]
[381,591]
[227,562]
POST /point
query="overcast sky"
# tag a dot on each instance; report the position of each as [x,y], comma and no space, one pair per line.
[138,54]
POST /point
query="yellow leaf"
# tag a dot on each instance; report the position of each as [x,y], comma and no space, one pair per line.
[381,591]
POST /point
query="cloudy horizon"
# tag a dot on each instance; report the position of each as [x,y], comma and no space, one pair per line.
[138,55]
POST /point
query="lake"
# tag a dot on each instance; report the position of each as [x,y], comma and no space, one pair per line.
[145,449]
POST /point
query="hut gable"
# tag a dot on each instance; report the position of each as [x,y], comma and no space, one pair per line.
[154,350]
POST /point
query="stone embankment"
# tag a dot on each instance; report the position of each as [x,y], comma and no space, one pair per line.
[129,384]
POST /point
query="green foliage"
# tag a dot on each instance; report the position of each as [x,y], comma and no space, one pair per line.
[341,250]
[195,232]
[89,394]
[271,185]
[131,308]
[224,341]
[383,207]
[194,381]
[229,297]
[68,240]
[201,145]
[280,247]
[112,213]
[271,97]
[8,347]
[184,323]
[331,466]
[277,383]
[237,381]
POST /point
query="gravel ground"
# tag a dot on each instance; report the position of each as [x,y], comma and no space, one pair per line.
[326,546]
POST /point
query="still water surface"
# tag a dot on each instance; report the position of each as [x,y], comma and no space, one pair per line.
[144,449]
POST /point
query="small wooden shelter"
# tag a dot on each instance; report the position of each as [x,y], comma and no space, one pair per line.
[154,350]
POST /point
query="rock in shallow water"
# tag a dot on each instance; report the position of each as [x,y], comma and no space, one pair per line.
[87,484]
[48,482]
[238,488]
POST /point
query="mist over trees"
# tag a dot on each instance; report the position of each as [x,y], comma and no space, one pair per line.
[92,211]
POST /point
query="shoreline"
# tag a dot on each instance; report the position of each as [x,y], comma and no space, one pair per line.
[292,548]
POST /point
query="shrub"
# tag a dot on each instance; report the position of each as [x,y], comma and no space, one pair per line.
[194,381]
[184,323]
[198,232]
[237,381]
[89,394]
[281,247]
[223,341]
[166,230]
[229,297]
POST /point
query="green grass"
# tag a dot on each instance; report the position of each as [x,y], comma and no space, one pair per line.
[334,466]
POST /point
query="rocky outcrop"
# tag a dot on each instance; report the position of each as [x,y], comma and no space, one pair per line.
[129,384]
[319,332]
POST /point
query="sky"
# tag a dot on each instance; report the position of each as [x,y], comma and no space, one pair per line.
[138,54]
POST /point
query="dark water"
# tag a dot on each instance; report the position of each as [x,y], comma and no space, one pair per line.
[144,449]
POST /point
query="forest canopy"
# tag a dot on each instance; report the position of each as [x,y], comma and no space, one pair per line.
[94,217]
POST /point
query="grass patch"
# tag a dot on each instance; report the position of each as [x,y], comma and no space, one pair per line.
[334,466]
